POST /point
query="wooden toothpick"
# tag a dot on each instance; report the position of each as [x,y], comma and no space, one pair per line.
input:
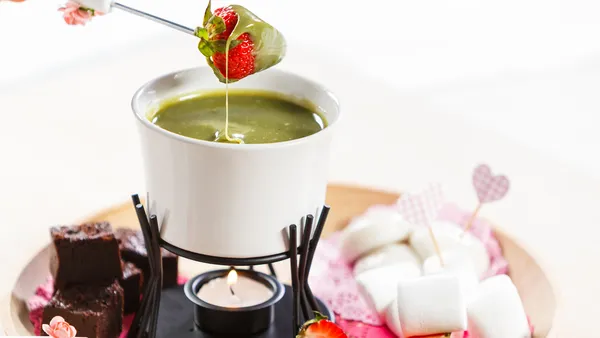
[422,208]
[472,218]
[436,245]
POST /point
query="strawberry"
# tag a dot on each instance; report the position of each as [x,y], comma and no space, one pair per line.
[213,38]
[243,58]
[320,327]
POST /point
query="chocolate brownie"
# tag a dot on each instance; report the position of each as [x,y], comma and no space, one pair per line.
[94,311]
[84,254]
[131,282]
[133,250]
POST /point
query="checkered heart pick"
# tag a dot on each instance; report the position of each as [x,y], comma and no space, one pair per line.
[422,208]
[489,188]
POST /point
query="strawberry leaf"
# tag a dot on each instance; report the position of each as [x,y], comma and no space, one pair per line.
[201,32]
[207,14]
[318,317]
[216,26]
[90,11]
[205,48]
[219,45]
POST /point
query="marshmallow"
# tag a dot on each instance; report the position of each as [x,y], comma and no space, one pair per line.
[496,310]
[449,238]
[431,305]
[380,284]
[372,231]
[103,6]
[456,263]
[391,319]
[390,254]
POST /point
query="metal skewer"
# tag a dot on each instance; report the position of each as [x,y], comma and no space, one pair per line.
[155,18]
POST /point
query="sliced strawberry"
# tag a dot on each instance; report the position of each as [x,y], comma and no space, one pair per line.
[320,327]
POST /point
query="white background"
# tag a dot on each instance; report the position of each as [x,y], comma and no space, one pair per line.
[429,88]
[538,61]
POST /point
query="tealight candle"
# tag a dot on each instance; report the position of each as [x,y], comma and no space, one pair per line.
[246,298]
[234,291]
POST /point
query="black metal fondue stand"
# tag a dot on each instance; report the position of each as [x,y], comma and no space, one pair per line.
[180,313]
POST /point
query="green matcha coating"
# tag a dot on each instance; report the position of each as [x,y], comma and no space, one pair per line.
[269,43]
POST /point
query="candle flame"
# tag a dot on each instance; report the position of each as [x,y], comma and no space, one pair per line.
[232,277]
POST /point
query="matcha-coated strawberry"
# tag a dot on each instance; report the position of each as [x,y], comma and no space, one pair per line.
[254,45]
[320,327]
[241,57]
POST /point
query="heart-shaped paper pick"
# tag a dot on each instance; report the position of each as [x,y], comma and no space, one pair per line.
[489,188]
[422,208]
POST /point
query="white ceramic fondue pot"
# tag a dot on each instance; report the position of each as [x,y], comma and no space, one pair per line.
[232,200]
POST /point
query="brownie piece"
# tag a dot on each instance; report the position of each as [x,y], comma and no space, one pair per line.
[133,250]
[84,254]
[94,311]
[131,282]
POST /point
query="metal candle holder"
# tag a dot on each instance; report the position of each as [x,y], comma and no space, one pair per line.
[248,319]
[304,303]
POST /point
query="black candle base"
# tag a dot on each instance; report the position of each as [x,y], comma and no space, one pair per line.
[176,317]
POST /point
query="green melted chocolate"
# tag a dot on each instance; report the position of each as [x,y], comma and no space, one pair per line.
[254,116]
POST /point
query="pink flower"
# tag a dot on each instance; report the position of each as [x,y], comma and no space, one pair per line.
[75,14]
[58,328]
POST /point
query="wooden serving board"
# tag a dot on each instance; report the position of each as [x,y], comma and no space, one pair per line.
[346,202]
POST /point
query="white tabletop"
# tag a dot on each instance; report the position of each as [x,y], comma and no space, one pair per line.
[448,90]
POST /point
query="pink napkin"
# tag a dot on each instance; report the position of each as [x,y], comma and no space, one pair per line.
[332,281]
[42,296]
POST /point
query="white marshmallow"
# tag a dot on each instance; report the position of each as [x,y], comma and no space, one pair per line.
[496,310]
[456,263]
[449,238]
[391,319]
[431,305]
[372,231]
[380,284]
[389,254]
[103,6]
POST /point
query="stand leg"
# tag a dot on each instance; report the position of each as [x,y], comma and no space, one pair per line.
[303,276]
[272,270]
[311,253]
[158,274]
[295,279]
[310,298]
[146,319]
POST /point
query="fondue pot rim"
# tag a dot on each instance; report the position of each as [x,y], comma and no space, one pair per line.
[192,287]
[140,115]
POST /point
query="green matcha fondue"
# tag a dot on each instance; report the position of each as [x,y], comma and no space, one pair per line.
[254,116]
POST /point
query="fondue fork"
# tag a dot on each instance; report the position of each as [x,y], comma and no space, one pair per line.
[106,6]
[155,18]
